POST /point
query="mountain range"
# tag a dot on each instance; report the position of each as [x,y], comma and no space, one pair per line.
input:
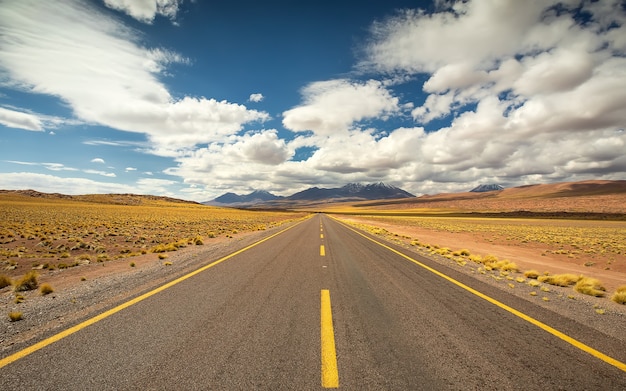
[349,192]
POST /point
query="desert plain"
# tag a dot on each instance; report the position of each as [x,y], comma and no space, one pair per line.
[94,251]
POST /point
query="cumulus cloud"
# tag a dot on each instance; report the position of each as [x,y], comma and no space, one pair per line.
[528,89]
[333,106]
[85,47]
[98,160]
[256,97]
[145,10]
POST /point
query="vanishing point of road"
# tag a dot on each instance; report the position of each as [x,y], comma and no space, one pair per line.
[317,306]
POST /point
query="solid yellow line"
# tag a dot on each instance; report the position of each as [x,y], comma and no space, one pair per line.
[330,375]
[65,333]
[322,251]
[529,319]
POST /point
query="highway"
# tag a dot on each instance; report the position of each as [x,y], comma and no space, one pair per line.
[321,306]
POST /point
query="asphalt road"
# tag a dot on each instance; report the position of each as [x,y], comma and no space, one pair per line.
[253,322]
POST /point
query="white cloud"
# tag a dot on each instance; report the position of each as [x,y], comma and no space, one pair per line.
[256,97]
[98,160]
[72,185]
[58,48]
[333,106]
[98,172]
[20,120]
[146,10]
[130,169]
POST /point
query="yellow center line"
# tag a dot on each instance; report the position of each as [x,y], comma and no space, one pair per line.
[65,333]
[321,236]
[330,375]
[529,319]
[322,251]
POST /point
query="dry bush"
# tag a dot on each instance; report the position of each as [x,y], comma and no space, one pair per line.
[45,289]
[620,295]
[534,274]
[27,283]
[4,281]
[590,286]
[567,279]
[14,316]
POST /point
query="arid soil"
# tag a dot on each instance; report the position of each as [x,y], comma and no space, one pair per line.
[526,256]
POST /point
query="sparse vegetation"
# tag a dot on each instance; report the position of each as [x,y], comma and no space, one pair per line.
[63,233]
[620,295]
[5,281]
[27,283]
[45,289]
[534,274]
[590,286]
[560,279]
[14,316]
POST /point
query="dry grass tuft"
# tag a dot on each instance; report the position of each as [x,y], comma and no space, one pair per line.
[45,289]
[15,316]
[567,279]
[590,286]
[620,295]
[534,274]
[27,283]
[5,281]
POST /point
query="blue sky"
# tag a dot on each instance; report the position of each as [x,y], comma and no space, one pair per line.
[192,99]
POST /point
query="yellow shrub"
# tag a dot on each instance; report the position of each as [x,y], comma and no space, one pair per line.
[27,283]
[534,274]
[590,286]
[620,295]
[561,279]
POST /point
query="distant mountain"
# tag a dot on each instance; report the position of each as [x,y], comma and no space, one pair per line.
[486,188]
[351,191]
[257,196]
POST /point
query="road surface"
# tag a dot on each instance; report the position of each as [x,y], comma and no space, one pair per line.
[321,306]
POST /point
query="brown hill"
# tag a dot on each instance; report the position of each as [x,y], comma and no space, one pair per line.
[585,197]
[114,199]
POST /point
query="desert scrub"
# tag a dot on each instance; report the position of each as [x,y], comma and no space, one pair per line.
[534,274]
[4,281]
[620,295]
[560,279]
[27,283]
[45,289]
[590,286]
[14,316]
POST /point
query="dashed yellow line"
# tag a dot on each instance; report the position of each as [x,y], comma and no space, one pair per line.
[65,333]
[330,374]
[586,348]
[322,251]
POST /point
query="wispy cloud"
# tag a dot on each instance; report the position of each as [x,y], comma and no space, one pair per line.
[98,160]
[83,46]
[20,120]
